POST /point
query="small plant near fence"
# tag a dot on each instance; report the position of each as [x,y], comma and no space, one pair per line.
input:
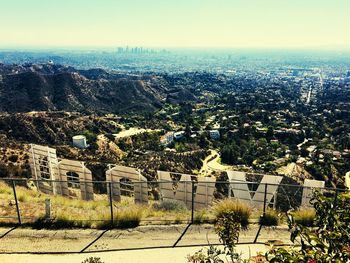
[92,260]
[128,218]
[304,216]
[200,217]
[328,242]
[235,209]
[231,216]
[123,218]
[270,218]
[227,228]
[170,205]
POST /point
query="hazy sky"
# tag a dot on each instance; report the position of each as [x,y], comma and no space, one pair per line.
[175,23]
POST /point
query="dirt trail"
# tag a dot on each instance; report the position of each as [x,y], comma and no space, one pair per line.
[211,164]
[132,131]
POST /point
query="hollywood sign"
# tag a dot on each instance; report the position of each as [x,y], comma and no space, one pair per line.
[181,189]
[239,188]
[56,177]
[72,179]
[309,187]
[117,173]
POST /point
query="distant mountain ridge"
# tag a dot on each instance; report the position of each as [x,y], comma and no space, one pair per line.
[49,87]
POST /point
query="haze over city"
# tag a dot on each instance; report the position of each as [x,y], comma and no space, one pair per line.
[181,23]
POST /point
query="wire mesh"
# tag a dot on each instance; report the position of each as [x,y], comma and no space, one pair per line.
[166,202]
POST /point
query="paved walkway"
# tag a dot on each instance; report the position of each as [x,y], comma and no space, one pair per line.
[173,255]
[142,244]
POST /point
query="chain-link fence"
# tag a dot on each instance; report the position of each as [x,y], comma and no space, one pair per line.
[161,202]
[185,207]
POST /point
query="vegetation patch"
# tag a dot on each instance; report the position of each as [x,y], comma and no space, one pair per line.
[238,211]
[170,205]
[270,218]
[200,216]
[305,216]
[128,218]
[328,241]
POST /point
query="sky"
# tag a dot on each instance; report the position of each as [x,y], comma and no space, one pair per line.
[176,23]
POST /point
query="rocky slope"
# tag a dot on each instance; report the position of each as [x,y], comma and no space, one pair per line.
[49,87]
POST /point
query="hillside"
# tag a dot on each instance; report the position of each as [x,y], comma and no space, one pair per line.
[52,87]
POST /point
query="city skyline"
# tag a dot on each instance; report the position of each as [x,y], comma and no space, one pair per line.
[184,24]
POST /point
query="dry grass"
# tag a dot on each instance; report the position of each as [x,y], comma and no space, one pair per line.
[68,212]
[170,205]
[201,216]
[28,202]
[233,208]
[305,216]
[4,189]
[128,217]
[271,218]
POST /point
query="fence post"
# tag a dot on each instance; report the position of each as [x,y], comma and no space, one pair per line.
[229,189]
[111,202]
[17,207]
[265,192]
[48,208]
[263,215]
[192,213]
[192,200]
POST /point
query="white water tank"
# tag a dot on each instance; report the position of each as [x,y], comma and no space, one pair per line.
[79,141]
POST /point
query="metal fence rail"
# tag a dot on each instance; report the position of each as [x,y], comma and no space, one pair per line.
[286,197]
[25,205]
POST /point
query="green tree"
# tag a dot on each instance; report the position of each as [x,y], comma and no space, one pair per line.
[203,141]
[230,154]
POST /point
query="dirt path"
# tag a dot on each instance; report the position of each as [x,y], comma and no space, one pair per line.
[132,131]
[211,164]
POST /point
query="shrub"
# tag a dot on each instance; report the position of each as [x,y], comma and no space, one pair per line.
[128,218]
[200,216]
[327,242]
[62,220]
[124,218]
[40,223]
[239,212]
[212,254]
[13,158]
[229,214]
[170,205]
[5,189]
[22,197]
[93,260]
[103,224]
[271,218]
[305,216]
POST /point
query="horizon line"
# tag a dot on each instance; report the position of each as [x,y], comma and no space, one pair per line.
[101,48]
